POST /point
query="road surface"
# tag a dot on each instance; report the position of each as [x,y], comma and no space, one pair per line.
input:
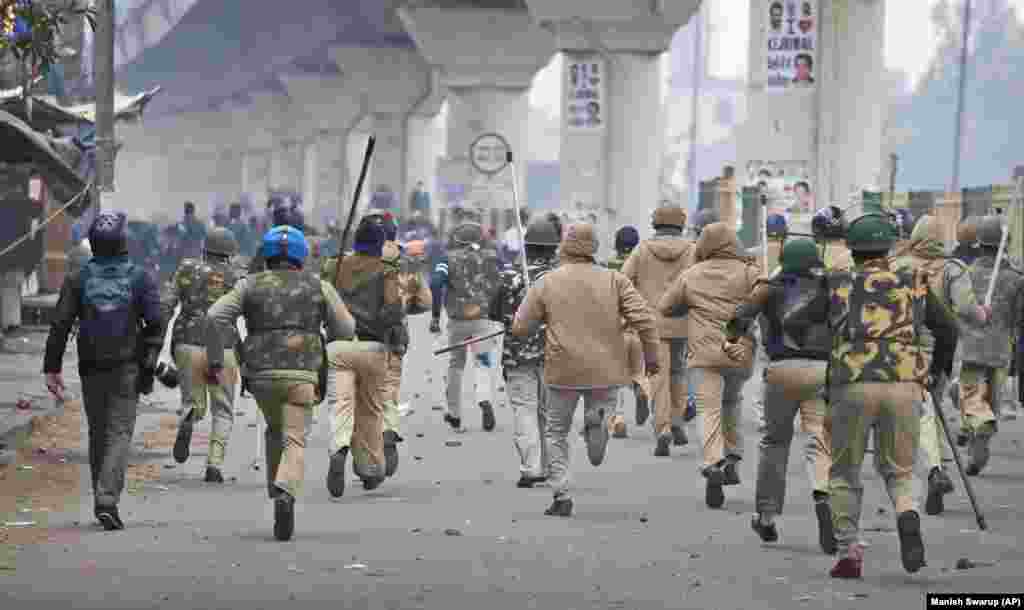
[451,531]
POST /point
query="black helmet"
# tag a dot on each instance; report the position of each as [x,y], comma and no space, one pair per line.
[221,242]
[990,231]
[829,223]
[107,236]
[626,238]
[546,231]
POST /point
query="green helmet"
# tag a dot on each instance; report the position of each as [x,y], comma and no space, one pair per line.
[799,255]
[990,231]
[222,242]
[871,233]
[546,231]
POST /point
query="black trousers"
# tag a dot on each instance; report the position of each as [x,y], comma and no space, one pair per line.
[111,407]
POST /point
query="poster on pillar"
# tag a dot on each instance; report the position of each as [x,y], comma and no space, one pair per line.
[791,36]
[787,185]
[585,92]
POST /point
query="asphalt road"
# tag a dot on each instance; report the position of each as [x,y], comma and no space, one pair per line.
[451,531]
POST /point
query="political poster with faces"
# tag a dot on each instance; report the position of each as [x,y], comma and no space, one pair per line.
[786,183]
[791,38]
[584,86]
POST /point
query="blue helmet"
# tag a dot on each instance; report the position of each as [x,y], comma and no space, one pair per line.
[108,234]
[777,226]
[626,238]
[285,241]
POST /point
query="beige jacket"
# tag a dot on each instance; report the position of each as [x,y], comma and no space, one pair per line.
[711,290]
[582,304]
[652,267]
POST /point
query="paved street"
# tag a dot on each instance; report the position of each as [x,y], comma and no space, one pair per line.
[451,531]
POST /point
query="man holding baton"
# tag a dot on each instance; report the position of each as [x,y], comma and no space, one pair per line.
[988,348]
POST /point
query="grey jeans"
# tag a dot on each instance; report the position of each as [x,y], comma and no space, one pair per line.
[528,396]
[111,405]
[459,331]
[598,404]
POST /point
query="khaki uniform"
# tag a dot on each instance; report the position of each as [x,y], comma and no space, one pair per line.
[284,311]
[652,267]
[196,286]
[360,368]
[641,382]
[710,291]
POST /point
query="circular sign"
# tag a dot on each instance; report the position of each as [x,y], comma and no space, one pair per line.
[489,153]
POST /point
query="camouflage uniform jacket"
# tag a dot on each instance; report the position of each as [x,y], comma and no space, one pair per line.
[519,351]
[876,314]
[196,286]
[283,311]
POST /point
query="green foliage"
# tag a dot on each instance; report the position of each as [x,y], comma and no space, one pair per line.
[46,22]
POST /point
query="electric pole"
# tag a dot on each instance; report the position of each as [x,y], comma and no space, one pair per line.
[103,69]
[698,74]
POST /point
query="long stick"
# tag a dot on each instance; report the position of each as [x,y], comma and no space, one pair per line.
[468,342]
[999,255]
[355,202]
[980,518]
[764,233]
[519,220]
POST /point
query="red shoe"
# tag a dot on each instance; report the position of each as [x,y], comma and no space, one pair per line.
[851,565]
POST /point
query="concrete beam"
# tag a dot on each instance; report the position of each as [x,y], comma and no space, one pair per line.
[394,79]
[616,26]
[480,47]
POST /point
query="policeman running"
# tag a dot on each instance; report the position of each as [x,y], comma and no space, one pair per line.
[284,308]
[876,379]
[197,285]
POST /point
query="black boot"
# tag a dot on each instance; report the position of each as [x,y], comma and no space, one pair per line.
[714,497]
[213,475]
[561,507]
[663,443]
[826,529]
[391,440]
[679,436]
[284,516]
[183,440]
[643,409]
[336,473]
[939,484]
[454,422]
[487,412]
[768,533]
[911,545]
[527,482]
[731,473]
[109,518]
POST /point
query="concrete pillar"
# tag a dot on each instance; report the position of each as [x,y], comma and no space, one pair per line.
[389,157]
[832,126]
[329,108]
[398,84]
[256,174]
[487,75]
[612,125]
